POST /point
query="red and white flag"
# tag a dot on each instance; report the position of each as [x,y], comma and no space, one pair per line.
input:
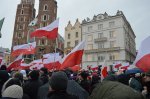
[50,31]
[24,49]
[117,65]
[104,71]
[125,66]
[15,64]
[52,61]
[74,57]
[142,60]
[36,64]
[1,59]
[23,65]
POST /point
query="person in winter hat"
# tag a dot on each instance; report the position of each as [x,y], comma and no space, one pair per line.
[114,90]
[13,92]
[58,86]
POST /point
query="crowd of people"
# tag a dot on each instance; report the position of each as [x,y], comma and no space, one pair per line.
[66,84]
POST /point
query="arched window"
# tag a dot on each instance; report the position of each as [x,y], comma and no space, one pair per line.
[45,7]
[44,17]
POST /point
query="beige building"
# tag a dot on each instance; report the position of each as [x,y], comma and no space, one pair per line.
[108,38]
[72,36]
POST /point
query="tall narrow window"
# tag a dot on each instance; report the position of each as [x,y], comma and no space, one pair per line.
[44,17]
[111,24]
[68,44]
[45,7]
[100,35]
[76,34]
[76,42]
[68,36]
[100,26]
[22,12]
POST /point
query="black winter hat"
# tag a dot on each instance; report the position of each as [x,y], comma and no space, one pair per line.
[59,81]
[34,75]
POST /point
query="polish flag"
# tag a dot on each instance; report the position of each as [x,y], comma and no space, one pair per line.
[125,66]
[104,72]
[50,31]
[24,49]
[15,64]
[36,64]
[117,65]
[74,57]
[1,59]
[23,65]
[52,61]
[142,60]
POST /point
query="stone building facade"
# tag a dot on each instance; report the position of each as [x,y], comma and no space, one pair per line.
[72,36]
[108,38]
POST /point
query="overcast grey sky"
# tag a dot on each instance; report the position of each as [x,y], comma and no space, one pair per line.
[137,13]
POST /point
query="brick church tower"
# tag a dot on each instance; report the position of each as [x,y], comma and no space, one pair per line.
[24,15]
[46,15]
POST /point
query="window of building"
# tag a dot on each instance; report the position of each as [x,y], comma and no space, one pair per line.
[111,57]
[111,24]
[20,27]
[44,17]
[22,5]
[112,34]
[90,28]
[45,7]
[19,35]
[89,57]
[22,19]
[44,24]
[90,46]
[76,34]
[76,42]
[42,42]
[112,43]
[100,35]
[22,12]
[100,26]
[101,45]
[68,36]
[101,58]
[68,44]
[90,38]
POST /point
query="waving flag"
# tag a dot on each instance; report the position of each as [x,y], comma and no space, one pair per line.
[125,66]
[142,60]
[24,49]
[1,59]
[50,31]
[104,72]
[15,64]
[52,61]
[36,64]
[74,57]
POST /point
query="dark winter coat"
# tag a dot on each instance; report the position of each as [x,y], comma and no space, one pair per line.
[135,84]
[31,88]
[74,88]
[85,84]
[3,78]
[61,95]
[43,91]
[114,90]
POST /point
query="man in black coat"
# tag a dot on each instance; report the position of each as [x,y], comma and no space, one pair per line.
[31,87]
[58,83]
